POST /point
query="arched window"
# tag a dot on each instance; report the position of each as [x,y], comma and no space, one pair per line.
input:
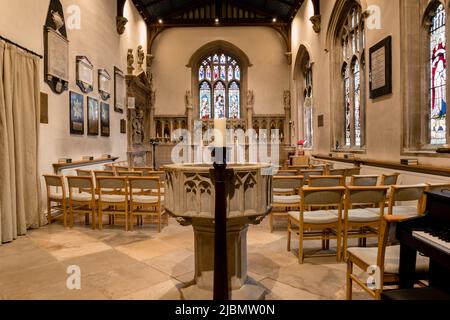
[352,68]
[438,77]
[219,77]
[308,106]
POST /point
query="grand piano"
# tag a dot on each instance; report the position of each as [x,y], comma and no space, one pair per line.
[429,235]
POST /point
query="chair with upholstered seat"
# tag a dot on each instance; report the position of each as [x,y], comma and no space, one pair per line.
[56,194]
[145,170]
[389,179]
[84,173]
[311,172]
[129,173]
[322,225]
[362,223]
[383,260]
[337,172]
[121,168]
[145,203]
[364,180]
[287,197]
[162,179]
[114,202]
[101,173]
[82,198]
[286,173]
[326,181]
[407,193]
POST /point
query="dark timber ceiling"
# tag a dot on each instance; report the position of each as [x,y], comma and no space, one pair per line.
[229,12]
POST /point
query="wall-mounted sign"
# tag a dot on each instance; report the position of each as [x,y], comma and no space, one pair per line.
[380,74]
[85,74]
[104,84]
[120,92]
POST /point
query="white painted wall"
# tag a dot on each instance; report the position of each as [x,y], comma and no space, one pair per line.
[22,21]
[268,77]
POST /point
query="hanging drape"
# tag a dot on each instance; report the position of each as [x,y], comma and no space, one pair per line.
[19,128]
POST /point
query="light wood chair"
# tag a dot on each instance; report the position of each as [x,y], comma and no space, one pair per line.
[108,167]
[145,204]
[389,179]
[146,170]
[385,259]
[438,187]
[364,180]
[129,173]
[84,173]
[337,172]
[326,181]
[290,186]
[56,194]
[321,224]
[84,202]
[101,173]
[112,203]
[311,172]
[362,223]
[121,168]
[162,179]
[355,171]
[407,193]
[286,173]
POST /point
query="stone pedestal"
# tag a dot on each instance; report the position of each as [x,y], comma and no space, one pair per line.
[190,198]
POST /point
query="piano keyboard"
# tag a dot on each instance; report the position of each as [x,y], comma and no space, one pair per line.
[441,243]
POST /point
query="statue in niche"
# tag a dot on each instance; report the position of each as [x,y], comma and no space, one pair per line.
[287,99]
[138,127]
[188,99]
[250,98]
[140,58]
[130,61]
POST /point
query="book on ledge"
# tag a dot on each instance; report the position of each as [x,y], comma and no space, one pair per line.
[64,160]
[409,162]
[88,158]
[106,156]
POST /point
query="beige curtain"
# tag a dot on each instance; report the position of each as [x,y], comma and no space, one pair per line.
[19,128]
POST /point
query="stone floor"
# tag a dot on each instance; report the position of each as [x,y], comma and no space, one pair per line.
[146,265]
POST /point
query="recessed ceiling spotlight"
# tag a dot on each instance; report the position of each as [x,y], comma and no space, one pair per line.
[160,21]
[274,20]
[217,20]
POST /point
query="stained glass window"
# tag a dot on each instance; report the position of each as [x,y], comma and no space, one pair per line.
[352,48]
[347,104]
[234,101]
[308,108]
[219,83]
[438,77]
[205,101]
[357,102]
[219,100]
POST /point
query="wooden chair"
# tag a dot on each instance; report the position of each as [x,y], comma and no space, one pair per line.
[162,179]
[361,223]
[385,258]
[337,172]
[108,167]
[100,173]
[56,193]
[84,173]
[145,170]
[355,171]
[407,193]
[321,224]
[310,172]
[389,179]
[115,202]
[121,168]
[286,173]
[298,168]
[130,173]
[437,187]
[82,202]
[364,181]
[292,184]
[326,181]
[145,204]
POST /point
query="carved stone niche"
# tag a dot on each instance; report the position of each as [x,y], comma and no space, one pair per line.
[139,125]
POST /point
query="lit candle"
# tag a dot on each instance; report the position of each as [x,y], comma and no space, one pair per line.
[220,127]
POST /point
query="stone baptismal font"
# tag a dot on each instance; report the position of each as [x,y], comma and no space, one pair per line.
[190,197]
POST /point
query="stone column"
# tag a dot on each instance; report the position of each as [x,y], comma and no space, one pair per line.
[287,115]
[250,105]
[189,111]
